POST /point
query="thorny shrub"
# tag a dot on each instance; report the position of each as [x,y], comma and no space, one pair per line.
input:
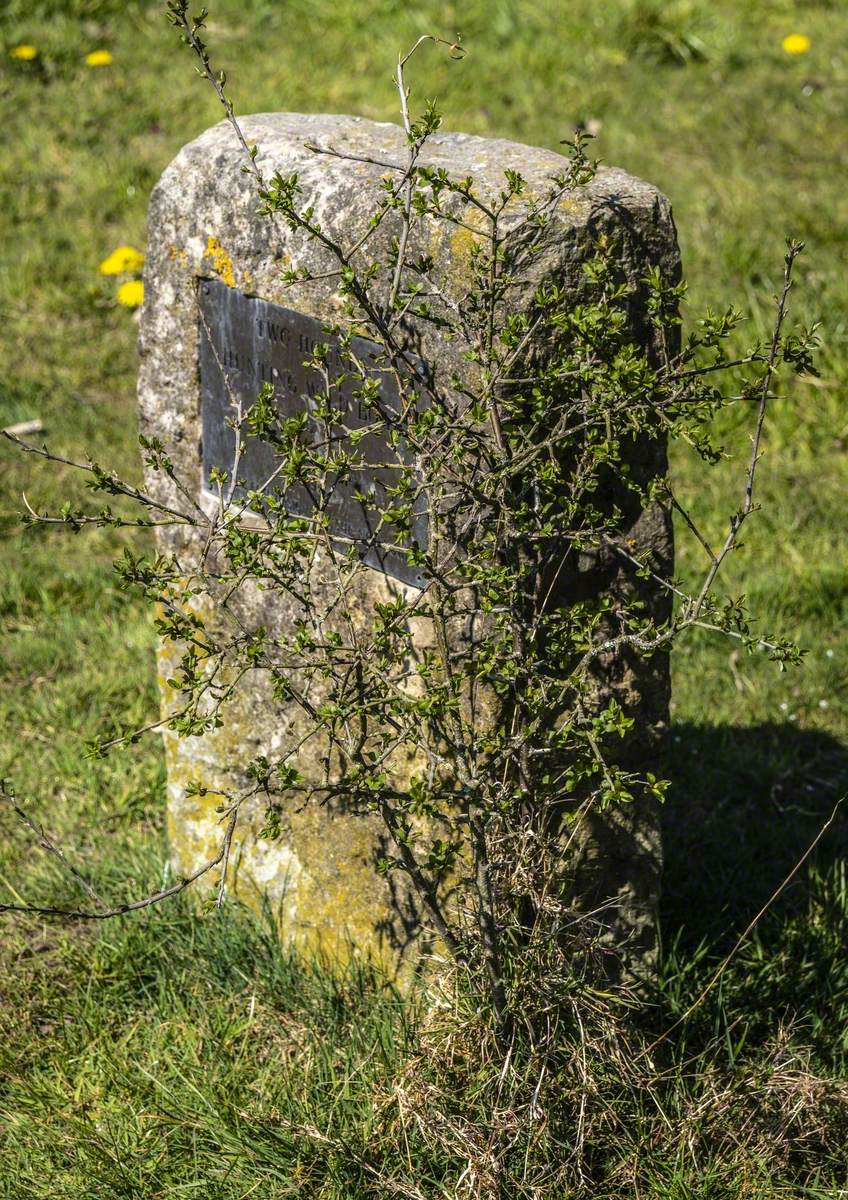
[517,468]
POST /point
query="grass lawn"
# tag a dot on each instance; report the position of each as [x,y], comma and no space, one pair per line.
[172,1054]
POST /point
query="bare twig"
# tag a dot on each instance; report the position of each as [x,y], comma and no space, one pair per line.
[105,914]
[743,936]
[48,844]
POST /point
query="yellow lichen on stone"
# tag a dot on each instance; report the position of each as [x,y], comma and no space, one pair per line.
[222,263]
[318,876]
[179,256]
[463,240]
[573,205]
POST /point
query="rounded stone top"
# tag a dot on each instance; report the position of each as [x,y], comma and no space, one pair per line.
[378,146]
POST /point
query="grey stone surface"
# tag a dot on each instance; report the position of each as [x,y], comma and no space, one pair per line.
[205,223]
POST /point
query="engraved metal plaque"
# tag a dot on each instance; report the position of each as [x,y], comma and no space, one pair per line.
[246,342]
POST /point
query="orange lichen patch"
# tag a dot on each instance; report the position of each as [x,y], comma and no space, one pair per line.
[222,263]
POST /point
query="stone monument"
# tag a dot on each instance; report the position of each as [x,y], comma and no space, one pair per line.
[217,319]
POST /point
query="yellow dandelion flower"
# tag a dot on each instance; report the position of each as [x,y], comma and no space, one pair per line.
[124,260]
[796,43]
[24,53]
[131,294]
[98,58]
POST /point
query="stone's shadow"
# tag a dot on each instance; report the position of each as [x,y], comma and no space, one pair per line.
[744,805]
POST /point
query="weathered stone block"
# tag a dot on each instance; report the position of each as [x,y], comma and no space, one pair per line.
[204,226]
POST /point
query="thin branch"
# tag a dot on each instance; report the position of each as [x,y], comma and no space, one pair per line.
[748,502]
[77,914]
[116,486]
[49,845]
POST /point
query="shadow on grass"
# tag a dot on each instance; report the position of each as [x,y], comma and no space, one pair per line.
[744,805]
